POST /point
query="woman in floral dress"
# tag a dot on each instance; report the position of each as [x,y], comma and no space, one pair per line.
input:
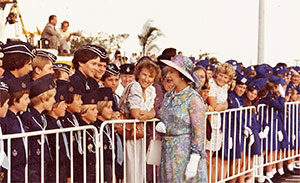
[182,115]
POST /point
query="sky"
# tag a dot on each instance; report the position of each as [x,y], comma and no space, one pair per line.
[226,29]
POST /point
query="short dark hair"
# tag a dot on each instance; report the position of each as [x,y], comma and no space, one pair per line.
[51,17]
[64,22]
[4,96]
[16,96]
[15,61]
[82,56]
[169,53]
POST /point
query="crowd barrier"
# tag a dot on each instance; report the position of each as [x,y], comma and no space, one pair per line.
[231,155]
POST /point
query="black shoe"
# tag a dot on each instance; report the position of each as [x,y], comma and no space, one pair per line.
[278,178]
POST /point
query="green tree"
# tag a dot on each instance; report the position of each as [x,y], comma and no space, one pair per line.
[148,36]
[207,56]
[110,42]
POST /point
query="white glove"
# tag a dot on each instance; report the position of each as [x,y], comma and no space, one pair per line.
[161,127]
[294,137]
[262,135]
[280,136]
[281,91]
[251,140]
[266,131]
[230,144]
[192,167]
[247,132]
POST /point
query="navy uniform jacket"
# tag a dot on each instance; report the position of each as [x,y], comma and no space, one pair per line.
[278,104]
[60,83]
[33,122]
[236,128]
[107,146]
[11,125]
[8,75]
[291,85]
[87,84]
[52,124]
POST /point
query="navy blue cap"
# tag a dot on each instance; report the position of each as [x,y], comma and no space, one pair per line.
[3,86]
[42,85]
[127,69]
[19,47]
[249,69]
[257,83]
[62,66]
[105,94]
[192,59]
[206,65]
[276,80]
[296,68]
[75,88]
[50,56]
[61,93]
[90,98]
[263,71]
[19,84]
[280,70]
[112,69]
[237,66]
[101,52]
[241,79]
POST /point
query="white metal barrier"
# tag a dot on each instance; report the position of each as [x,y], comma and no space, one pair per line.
[229,152]
[57,132]
[126,146]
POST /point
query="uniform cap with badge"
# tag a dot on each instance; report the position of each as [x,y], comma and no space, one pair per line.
[90,98]
[61,93]
[127,69]
[62,66]
[42,85]
[19,84]
[112,69]
[105,94]
[101,52]
[46,54]
[19,47]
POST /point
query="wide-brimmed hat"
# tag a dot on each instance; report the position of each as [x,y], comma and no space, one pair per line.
[182,64]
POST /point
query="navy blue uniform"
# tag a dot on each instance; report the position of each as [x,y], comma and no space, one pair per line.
[255,127]
[67,121]
[277,103]
[236,128]
[11,125]
[33,122]
[87,84]
[63,158]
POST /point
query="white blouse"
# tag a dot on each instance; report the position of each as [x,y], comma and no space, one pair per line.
[135,98]
[216,91]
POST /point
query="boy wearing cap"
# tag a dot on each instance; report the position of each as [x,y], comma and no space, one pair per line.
[61,73]
[127,76]
[12,124]
[87,115]
[42,99]
[111,79]
[85,63]
[53,122]
[17,59]
[42,64]
[74,102]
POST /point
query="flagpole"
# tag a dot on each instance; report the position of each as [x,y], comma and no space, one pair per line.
[261,32]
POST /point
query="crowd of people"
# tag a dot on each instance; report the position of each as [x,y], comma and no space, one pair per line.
[38,94]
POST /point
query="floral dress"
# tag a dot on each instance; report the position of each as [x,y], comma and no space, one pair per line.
[183,114]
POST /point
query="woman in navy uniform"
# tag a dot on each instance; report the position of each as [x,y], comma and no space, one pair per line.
[12,124]
[87,115]
[58,110]
[234,127]
[277,138]
[42,99]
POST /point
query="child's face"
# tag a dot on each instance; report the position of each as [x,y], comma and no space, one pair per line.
[204,94]
[222,79]
[47,69]
[64,75]
[107,111]
[23,103]
[251,95]
[74,107]
[49,104]
[60,110]
[91,114]
[89,68]
[3,109]
[112,82]
[294,96]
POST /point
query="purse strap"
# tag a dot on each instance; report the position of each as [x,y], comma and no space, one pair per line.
[125,95]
